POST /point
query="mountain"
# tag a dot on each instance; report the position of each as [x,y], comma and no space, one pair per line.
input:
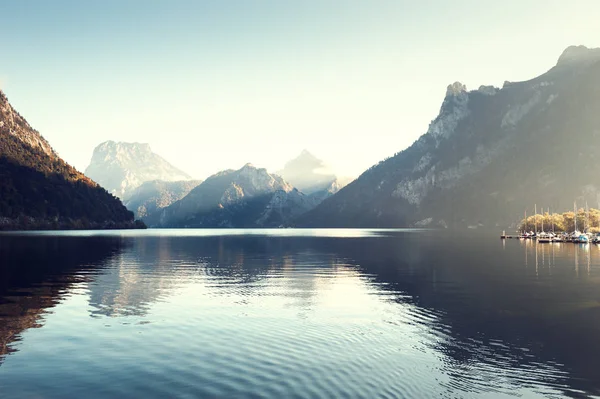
[307,173]
[248,197]
[312,176]
[39,190]
[157,194]
[488,156]
[325,191]
[121,167]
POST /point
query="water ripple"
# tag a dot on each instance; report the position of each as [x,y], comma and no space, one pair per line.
[355,314]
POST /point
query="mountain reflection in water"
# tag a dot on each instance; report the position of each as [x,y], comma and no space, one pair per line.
[306,313]
[36,272]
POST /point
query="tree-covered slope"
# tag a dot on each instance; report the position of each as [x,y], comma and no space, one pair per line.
[40,190]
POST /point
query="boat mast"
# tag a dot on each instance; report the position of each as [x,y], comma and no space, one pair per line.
[535,217]
[587,216]
[575,218]
[542,219]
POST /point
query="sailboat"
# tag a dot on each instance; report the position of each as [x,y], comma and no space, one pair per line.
[535,221]
[576,235]
[544,237]
[584,238]
[555,237]
[586,230]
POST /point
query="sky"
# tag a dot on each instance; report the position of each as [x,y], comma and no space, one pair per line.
[213,85]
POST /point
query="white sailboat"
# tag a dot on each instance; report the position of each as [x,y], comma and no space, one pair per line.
[535,220]
[544,237]
[576,235]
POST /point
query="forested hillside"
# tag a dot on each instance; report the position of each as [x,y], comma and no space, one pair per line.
[40,190]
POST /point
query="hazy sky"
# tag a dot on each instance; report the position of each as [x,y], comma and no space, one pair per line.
[212,85]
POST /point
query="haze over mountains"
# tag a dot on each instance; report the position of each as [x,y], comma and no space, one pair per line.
[490,154]
[312,176]
[307,173]
[154,195]
[247,197]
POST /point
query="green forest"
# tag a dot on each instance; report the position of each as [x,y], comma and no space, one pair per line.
[586,220]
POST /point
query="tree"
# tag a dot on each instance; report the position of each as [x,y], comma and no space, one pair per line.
[564,221]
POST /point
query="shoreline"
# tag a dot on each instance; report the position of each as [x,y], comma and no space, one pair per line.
[28,224]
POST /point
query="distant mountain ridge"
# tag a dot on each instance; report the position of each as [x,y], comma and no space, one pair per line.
[248,197]
[38,190]
[155,195]
[490,154]
[122,167]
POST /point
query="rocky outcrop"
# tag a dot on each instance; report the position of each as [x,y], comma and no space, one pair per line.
[285,206]
[122,167]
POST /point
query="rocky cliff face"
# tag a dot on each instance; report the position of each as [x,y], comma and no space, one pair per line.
[121,167]
[284,206]
[248,197]
[39,190]
[489,154]
[14,125]
[155,195]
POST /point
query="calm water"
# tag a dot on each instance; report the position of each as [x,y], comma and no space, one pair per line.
[296,313]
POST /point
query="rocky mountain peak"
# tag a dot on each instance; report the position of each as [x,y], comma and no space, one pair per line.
[123,149]
[307,156]
[455,107]
[121,167]
[305,161]
[578,54]
[455,89]
[248,167]
[254,179]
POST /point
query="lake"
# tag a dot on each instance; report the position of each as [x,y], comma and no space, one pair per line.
[296,313]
